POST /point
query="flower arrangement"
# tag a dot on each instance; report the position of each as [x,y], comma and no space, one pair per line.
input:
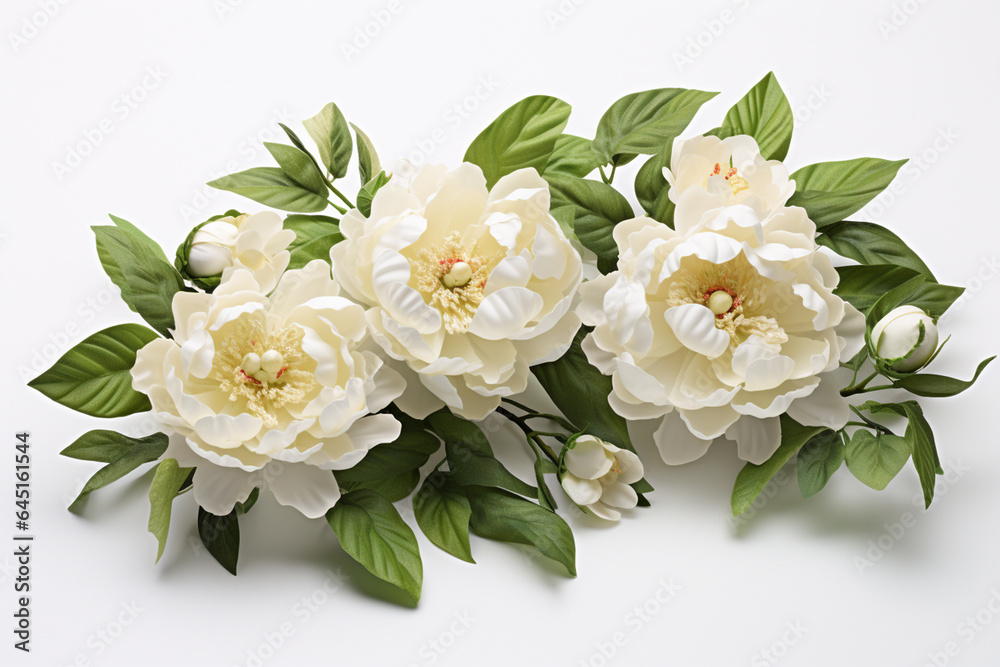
[338,355]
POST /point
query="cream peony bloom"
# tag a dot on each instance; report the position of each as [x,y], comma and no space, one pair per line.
[707,173]
[254,242]
[598,475]
[273,391]
[720,327]
[467,287]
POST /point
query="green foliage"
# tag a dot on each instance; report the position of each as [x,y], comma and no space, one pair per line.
[832,191]
[121,453]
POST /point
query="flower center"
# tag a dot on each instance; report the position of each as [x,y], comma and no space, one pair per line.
[731,177]
[452,278]
[266,370]
[721,300]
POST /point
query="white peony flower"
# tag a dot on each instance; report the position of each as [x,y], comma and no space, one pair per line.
[598,475]
[707,173]
[254,242]
[467,287]
[897,338]
[719,328]
[269,390]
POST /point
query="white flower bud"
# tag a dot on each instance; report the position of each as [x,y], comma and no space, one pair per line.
[212,248]
[896,334]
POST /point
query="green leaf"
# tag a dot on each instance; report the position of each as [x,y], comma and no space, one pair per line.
[148,282]
[817,461]
[868,243]
[166,485]
[651,189]
[392,469]
[308,228]
[221,536]
[152,248]
[938,386]
[832,191]
[299,167]
[500,515]
[764,114]
[580,391]
[442,510]
[470,456]
[329,130]
[876,460]
[862,286]
[753,478]
[272,187]
[371,531]
[367,193]
[121,453]
[523,136]
[644,122]
[597,208]
[315,249]
[573,156]
[920,438]
[95,376]
[368,162]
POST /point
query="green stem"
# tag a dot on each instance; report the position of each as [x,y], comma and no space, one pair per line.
[531,414]
[868,422]
[340,194]
[342,211]
[859,387]
[604,177]
[534,441]
[611,176]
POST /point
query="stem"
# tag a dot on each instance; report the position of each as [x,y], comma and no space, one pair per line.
[532,436]
[342,211]
[868,422]
[859,387]
[340,194]
[611,177]
[851,391]
[542,415]
[604,178]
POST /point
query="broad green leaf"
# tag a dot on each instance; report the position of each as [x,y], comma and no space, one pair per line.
[500,515]
[272,187]
[651,189]
[121,453]
[316,249]
[523,136]
[166,485]
[442,510]
[920,438]
[868,243]
[95,376]
[368,162]
[470,456]
[753,478]
[580,391]
[817,461]
[308,228]
[938,386]
[371,531]
[876,460]
[148,282]
[764,114]
[832,191]
[332,135]
[299,167]
[644,122]
[862,286]
[138,237]
[392,469]
[573,156]
[597,208]
[368,192]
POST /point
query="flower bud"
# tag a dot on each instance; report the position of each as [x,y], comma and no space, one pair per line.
[597,476]
[896,337]
[212,247]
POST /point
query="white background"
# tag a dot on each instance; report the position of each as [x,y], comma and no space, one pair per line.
[878,78]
